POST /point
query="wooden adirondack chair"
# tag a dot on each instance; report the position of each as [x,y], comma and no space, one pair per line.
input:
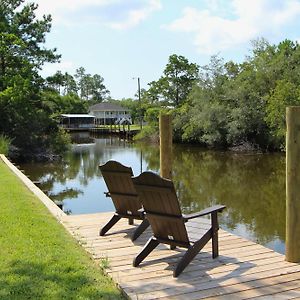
[122,192]
[163,211]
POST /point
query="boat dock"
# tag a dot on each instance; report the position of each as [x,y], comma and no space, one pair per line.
[244,269]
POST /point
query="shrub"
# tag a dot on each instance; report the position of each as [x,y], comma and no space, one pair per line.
[150,133]
[4,144]
[60,141]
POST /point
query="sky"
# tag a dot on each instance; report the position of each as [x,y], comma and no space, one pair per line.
[122,40]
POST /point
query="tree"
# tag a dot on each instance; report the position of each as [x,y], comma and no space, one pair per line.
[70,85]
[80,76]
[21,37]
[91,87]
[63,83]
[177,81]
[284,94]
[237,104]
[98,91]
[23,115]
[56,81]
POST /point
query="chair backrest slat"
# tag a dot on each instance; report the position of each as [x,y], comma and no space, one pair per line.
[119,183]
[161,205]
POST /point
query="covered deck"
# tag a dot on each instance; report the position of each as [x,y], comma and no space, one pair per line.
[77,121]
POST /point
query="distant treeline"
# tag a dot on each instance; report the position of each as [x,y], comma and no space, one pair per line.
[225,104]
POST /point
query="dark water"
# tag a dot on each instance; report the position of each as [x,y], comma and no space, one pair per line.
[252,186]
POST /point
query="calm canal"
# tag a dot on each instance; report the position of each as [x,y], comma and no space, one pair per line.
[252,186]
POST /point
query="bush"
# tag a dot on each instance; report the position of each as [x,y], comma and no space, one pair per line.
[60,141]
[149,133]
[4,144]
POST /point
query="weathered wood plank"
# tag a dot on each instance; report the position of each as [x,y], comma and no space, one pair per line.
[206,283]
[243,270]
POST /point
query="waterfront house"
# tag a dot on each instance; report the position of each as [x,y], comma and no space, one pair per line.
[109,113]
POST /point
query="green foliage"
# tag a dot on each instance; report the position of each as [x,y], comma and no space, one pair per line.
[57,104]
[91,87]
[149,133]
[63,84]
[38,258]
[60,141]
[243,103]
[21,55]
[133,105]
[176,83]
[152,115]
[104,263]
[21,39]
[4,144]
[284,94]
[29,105]
[207,125]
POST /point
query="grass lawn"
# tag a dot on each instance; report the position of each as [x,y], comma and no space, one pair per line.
[38,258]
[132,127]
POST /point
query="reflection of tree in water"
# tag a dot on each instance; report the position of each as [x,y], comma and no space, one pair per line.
[81,163]
[150,153]
[251,186]
[65,194]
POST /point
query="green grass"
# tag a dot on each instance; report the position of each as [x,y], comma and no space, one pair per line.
[4,144]
[132,127]
[38,258]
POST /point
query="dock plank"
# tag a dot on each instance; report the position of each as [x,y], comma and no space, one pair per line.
[244,269]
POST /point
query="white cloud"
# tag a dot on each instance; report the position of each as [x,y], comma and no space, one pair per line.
[60,9]
[246,20]
[117,14]
[136,16]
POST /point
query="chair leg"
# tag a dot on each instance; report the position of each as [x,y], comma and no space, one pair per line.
[109,224]
[130,221]
[150,245]
[141,228]
[191,253]
[215,238]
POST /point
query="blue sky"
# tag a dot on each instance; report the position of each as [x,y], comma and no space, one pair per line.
[122,39]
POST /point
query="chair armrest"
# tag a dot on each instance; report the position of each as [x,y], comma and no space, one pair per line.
[142,212]
[206,211]
[107,194]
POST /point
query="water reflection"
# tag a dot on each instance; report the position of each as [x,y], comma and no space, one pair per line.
[251,186]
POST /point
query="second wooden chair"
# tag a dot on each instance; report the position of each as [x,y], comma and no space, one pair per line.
[122,192]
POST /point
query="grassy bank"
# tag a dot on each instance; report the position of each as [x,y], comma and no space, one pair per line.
[38,258]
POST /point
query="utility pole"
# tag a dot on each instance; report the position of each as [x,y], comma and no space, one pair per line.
[139,93]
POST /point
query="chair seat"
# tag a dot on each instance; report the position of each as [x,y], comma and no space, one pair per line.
[197,231]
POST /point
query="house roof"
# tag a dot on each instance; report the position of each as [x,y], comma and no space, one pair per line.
[106,106]
[77,116]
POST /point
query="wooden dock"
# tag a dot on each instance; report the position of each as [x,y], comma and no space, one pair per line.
[244,270]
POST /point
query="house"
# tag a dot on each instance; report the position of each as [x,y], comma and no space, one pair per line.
[77,121]
[109,113]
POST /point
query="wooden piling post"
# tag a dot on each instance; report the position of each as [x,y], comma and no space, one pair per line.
[165,134]
[293,184]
